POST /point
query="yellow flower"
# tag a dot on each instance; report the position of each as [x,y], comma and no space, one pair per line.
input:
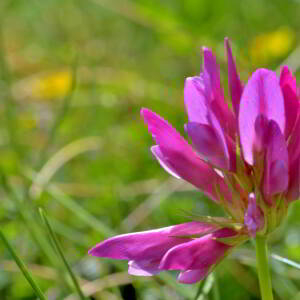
[52,85]
[269,46]
[44,86]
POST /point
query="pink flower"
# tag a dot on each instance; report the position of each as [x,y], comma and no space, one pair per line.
[246,159]
[193,248]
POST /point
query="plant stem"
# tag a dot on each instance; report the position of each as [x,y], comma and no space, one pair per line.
[61,254]
[23,268]
[263,268]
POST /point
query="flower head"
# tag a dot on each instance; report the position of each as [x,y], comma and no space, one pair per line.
[244,156]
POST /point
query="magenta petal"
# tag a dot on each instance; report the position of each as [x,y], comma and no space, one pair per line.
[143,268]
[208,144]
[215,95]
[235,85]
[261,96]
[144,250]
[200,105]
[276,175]
[287,79]
[228,145]
[199,253]
[194,100]
[163,161]
[294,183]
[261,133]
[192,276]
[291,102]
[294,142]
[147,245]
[179,157]
[211,72]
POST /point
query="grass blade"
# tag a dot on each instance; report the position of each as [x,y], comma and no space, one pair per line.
[87,218]
[215,289]
[79,211]
[23,268]
[286,261]
[28,218]
[199,291]
[205,287]
[60,252]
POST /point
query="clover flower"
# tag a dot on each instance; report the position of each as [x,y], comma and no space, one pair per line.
[245,156]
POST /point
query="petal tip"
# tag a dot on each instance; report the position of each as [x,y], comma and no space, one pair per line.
[92,251]
[227,43]
[143,111]
[206,49]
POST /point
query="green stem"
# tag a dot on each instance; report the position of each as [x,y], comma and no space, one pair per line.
[61,254]
[23,268]
[263,268]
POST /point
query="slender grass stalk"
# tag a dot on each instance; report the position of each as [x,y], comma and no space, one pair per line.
[23,268]
[205,287]
[60,253]
[200,288]
[185,291]
[67,202]
[215,289]
[28,219]
[79,211]
[70,233]
[105,232]
[263,268]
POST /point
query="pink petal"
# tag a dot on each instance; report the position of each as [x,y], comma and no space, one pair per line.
[198,104]
[163,161]
[211,144]
[276,175]
[261,133]
[291,102]
[195,101]
[199,253]
[294,142]
[179,157]
[226,142]
[294,183]
[261,96]
[147,245]
[287,79]
[211,72]
[143,268]
[144,250]
[208,144]
[192,276]
[235,85]
[215,95]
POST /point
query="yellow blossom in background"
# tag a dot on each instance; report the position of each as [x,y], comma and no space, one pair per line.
[272,45]
[44,86]
[53,85]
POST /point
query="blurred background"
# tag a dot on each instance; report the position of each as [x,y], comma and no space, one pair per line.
[74,75]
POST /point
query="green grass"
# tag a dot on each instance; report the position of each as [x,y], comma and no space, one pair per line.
[126,55]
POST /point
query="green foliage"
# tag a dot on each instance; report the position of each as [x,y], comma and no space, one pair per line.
[88,136]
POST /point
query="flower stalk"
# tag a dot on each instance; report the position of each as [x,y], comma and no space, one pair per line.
[263,268]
